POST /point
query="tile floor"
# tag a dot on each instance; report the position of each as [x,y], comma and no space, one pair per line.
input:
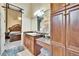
[17,49]
[12,48]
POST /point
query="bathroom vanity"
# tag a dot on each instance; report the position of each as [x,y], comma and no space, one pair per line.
[30,43]
[44,42]
[34,42]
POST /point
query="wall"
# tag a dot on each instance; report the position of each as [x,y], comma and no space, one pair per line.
[26,17]
[2,34]
[13,18]
[26,20]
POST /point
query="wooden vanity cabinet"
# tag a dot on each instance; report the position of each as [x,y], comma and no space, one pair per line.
[31,45]
[65,30]
[28,42]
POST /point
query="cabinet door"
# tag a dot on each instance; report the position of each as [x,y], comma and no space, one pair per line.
[58,33]
[58,28]
[27,42]
[57,51]
[73,28]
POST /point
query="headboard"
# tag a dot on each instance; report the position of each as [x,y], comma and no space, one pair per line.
[16,27]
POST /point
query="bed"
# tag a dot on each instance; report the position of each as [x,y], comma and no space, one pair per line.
[15,32]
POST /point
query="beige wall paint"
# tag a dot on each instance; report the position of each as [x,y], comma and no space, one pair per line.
[2,34]
[13,18]
[26,18]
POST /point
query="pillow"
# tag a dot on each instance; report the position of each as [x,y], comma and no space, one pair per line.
[15,33]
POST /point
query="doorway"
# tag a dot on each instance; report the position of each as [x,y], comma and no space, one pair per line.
[13,23]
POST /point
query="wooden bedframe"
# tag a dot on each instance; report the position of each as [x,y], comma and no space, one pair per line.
[15,28]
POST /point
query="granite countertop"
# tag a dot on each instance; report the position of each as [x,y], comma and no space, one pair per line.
[33,34]
[44,40]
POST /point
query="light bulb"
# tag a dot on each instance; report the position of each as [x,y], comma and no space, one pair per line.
[19,18]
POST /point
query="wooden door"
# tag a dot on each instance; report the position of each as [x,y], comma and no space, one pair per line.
[58,51]
[58,33]
[58,27]
[72,36]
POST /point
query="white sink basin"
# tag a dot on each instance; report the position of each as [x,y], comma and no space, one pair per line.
[33,34]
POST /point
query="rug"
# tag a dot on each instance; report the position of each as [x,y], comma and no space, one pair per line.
[13,51]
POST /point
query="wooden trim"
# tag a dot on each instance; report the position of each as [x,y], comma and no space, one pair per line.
[74,49]
[57,11]
[71,6]
[21,22]
[58,44]
[65,26]
[15,6]
[68,6]
[7,7]
[6,16]
[13,9]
